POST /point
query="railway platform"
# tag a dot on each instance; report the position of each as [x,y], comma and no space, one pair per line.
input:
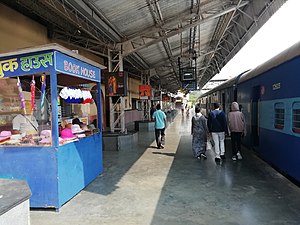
[149,186]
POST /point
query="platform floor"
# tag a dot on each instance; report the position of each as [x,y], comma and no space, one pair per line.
[149,186]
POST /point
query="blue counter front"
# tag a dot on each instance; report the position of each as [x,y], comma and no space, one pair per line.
[79,163]
[54,175]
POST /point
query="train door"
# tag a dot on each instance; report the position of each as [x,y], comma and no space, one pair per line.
[206,106]
[223,102]
[209,105]
[255,101]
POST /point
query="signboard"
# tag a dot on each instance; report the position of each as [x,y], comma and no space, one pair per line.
[17,65]
[44,61]
[145,91]
[68,65]
[189,85]
[115,83]
[188,73]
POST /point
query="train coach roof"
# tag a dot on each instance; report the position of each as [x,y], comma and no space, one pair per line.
[228,83]
[277,60]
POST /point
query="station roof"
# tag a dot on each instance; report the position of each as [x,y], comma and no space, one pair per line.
[155,37]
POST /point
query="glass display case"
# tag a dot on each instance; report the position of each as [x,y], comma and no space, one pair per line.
[22,122]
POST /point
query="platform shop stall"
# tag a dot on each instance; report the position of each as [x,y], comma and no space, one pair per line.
[43,90]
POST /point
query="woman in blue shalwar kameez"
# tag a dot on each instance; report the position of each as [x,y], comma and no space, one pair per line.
[199,132]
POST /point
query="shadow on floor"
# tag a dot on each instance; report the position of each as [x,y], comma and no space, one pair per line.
[117,163]
[164,153]
[232,193]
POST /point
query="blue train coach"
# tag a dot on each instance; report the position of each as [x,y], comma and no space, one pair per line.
[269,96]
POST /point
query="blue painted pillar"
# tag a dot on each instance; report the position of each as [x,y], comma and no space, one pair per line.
[54,108]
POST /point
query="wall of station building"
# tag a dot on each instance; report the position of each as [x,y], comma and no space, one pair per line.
[18,31]
[133,92]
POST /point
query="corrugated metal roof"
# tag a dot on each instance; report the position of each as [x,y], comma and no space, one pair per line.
[156,35]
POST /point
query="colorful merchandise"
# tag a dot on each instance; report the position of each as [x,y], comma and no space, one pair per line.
[67,134]
[76,129]
[71,95]
[87,97]
[4,136]
[32,91]
[45,137]
[43,90]
[21,94]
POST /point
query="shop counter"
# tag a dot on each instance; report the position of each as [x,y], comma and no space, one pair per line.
[31,81]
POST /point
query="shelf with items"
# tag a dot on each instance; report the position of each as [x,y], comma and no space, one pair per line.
[10,112]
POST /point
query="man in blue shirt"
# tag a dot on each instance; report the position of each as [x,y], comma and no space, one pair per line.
[217,126]
[159,118]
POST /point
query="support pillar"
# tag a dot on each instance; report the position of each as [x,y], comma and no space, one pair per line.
[146,103]
[117,109]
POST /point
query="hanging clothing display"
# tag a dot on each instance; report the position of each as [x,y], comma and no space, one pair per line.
[72,95]
[87,97]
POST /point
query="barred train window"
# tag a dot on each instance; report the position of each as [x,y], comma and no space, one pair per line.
[296,117]
[279,115]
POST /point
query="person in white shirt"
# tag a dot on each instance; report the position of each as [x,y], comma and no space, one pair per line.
[25,124]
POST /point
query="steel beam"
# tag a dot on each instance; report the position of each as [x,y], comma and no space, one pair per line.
[129,48]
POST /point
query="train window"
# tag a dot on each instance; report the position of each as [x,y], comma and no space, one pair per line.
[279,115]
[296,117]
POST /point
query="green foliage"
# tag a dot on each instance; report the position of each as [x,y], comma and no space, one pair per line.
[194,96]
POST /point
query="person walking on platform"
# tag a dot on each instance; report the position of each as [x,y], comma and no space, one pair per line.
[187,108]
[160,122]
[199,132]
[237,129]
[217,126]
[152,110]
[182,109]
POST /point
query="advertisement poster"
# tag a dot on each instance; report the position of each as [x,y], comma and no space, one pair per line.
[115,83]
[145,91]
[165,97]
[157,96]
